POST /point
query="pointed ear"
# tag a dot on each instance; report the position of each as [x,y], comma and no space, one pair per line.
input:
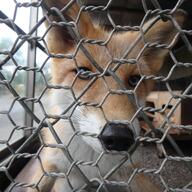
[160,32]
[59,38]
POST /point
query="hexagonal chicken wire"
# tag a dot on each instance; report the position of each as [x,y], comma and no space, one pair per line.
[28,88]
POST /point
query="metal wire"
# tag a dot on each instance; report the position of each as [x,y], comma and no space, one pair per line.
[77,167]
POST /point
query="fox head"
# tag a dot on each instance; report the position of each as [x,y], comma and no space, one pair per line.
[103,72]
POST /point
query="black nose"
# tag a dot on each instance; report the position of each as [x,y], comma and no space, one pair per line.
[117,136]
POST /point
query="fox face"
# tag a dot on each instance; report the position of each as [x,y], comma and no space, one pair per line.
[103,73]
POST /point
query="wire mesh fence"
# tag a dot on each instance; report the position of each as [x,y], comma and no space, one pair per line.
[96,120]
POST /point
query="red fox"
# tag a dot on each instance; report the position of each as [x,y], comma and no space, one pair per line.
[97,119]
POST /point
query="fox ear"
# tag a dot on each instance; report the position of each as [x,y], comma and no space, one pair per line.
[59,38]
[160,32]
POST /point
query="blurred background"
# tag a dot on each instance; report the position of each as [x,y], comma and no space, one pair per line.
[11,112]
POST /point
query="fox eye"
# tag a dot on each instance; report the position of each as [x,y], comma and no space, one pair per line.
[83,73]
[133,80]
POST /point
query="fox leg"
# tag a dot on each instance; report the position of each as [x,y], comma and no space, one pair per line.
[42,182]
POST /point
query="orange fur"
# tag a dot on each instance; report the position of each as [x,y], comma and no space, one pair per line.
[116,106]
